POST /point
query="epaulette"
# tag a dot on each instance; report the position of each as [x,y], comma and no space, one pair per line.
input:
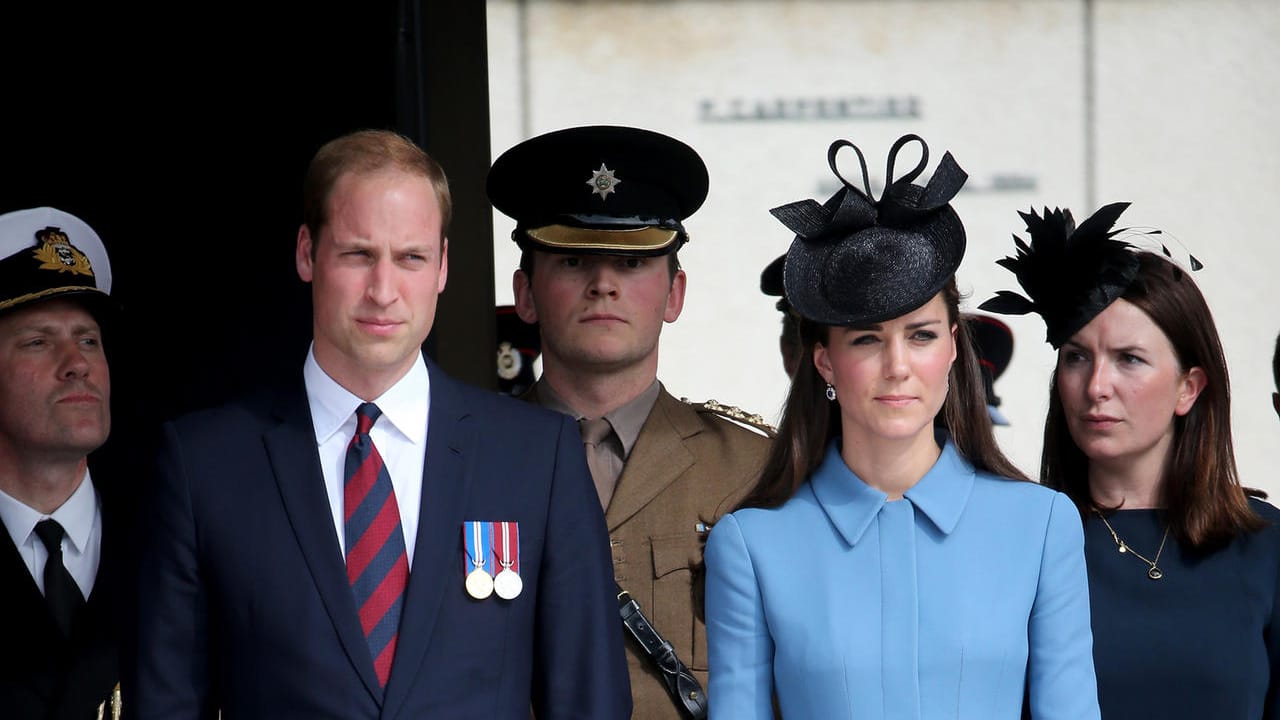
[737,415]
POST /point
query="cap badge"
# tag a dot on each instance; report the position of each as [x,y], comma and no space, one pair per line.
[603,182]
[57,253]
[509,363]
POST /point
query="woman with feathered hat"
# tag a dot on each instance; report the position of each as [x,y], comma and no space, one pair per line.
[890,562]
[1183,564]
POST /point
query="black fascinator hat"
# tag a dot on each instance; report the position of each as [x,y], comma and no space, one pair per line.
[857,261]
[1070,274]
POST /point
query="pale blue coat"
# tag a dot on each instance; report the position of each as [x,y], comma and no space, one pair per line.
[945,604]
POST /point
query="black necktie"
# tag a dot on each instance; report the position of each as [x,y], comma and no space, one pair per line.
[60,589]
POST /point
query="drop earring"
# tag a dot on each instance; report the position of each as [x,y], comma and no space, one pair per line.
[831,392]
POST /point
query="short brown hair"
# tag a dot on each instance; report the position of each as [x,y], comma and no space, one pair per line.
[365,152]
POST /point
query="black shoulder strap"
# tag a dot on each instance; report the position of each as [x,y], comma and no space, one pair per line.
[682,686]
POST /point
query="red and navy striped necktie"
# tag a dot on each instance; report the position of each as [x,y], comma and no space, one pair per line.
[376,562]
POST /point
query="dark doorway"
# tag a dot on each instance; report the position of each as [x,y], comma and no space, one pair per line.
[182,137]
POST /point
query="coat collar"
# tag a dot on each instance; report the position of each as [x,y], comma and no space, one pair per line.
[651,465]
[851,504]
[626,420]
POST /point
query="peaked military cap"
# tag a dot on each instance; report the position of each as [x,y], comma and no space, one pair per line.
[993,343]
[47,253]
[771,277]
[599,189]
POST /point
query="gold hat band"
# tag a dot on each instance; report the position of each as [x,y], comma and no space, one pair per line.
[47,293]
[566,237]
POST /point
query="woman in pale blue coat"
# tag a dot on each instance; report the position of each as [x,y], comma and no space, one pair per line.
[886,565]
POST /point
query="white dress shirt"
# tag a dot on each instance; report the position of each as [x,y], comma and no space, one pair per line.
[81,520]
[400,435]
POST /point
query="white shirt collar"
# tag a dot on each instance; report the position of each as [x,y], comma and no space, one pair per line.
[333,406]
[76,515]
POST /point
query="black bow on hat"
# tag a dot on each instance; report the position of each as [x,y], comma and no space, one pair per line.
[855,261]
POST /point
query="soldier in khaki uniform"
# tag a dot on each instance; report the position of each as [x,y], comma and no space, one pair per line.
[598,213]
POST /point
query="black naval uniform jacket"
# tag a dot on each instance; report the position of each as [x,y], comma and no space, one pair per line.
[44,676]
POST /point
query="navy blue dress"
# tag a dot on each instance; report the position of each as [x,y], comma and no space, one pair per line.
[1201,642]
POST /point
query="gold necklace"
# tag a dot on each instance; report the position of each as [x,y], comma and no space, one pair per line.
[1155,573]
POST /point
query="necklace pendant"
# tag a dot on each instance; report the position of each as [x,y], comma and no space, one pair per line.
[1124,548]
[1155,573]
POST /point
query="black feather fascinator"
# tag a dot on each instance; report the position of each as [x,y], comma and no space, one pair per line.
[857,261]
[1069,273]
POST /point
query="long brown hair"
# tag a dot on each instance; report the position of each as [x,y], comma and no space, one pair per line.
[810,421]
[1201,487]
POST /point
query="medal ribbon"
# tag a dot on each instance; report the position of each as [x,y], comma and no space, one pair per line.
[510,539]
[478,537]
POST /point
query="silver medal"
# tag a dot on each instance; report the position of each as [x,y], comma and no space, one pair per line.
[508,584]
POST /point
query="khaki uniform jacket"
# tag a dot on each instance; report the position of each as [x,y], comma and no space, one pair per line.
[689,465]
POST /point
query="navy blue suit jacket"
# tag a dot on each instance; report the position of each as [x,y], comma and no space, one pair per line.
[245,604]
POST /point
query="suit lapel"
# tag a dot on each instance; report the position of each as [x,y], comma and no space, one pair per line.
[436,565]
[658,458]
[102,604]
[291,447]
[116,545]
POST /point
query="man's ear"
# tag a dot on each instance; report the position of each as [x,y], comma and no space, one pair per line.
[443,276]
[523,289]
[675,297]
[302,254]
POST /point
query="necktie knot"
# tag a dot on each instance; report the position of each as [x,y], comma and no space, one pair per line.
[366,415]
[60,590]
[594,431]
[50,533]
[599,458]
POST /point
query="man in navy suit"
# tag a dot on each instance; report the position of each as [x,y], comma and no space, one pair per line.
[375,539]
[62,528]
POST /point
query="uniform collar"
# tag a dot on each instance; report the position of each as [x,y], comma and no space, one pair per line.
[851,504]
[626,420]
